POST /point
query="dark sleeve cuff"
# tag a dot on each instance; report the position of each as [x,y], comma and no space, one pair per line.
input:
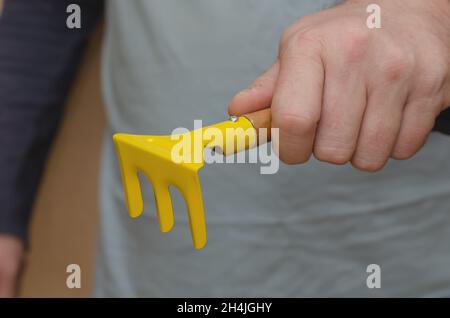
[442,124]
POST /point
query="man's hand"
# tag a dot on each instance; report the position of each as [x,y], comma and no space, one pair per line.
[11,256]
[344,92]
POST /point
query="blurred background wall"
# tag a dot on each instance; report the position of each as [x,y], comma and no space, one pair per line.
[65,215]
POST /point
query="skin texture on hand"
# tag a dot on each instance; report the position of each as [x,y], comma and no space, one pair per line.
[11,256]
[346,93]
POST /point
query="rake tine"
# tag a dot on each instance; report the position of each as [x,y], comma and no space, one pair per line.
[131,184]
[164,208]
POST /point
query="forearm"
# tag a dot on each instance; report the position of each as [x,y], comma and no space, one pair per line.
[38,59]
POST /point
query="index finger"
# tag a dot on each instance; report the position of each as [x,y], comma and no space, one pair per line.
[297,100]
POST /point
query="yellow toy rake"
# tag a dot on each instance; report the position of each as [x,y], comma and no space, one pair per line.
[153,156]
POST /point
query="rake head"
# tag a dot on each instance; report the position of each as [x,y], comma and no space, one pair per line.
[154,156]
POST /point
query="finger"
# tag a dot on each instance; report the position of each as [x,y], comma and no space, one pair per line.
[343,108]
[297,100]
[380,127]
[418,121]
[258,95]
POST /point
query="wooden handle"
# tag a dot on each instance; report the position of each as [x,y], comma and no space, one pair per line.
[261,119]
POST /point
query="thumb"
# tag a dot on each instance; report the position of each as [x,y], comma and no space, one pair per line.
[258,95]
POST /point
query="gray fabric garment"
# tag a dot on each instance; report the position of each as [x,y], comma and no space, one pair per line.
[309,230]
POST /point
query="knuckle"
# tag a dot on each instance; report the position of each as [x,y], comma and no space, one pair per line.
[285,36]
[305,38]
[303,43]
[356,42]
[397,64]
[412,138]
[373,152]
[433,81]
[377,134]
[405,149]
[293,159]
[368,164]
[295,125]
[401,153]
[299,26]
[332,154]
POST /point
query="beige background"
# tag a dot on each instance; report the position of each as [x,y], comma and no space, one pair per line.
[65,215]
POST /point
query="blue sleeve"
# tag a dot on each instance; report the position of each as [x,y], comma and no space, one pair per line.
[38,59]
